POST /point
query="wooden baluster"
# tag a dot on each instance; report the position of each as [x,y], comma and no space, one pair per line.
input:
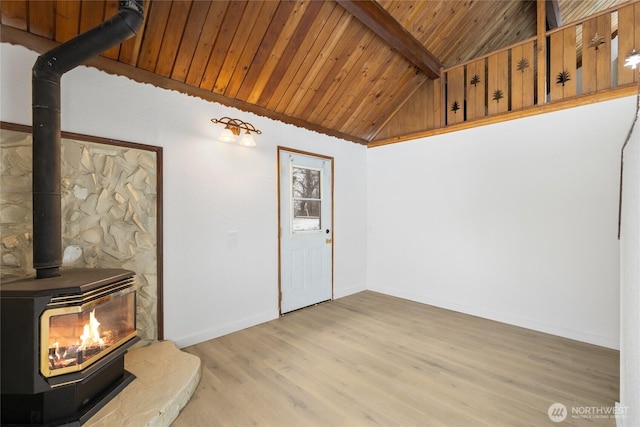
[522,76]
[455,95]
[476,83]
[498,83]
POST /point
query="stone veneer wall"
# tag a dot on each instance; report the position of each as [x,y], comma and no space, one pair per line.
[109,214]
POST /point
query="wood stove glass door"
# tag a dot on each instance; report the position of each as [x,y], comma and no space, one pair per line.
[306,234]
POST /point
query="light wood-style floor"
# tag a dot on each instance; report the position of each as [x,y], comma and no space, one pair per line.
[374,360]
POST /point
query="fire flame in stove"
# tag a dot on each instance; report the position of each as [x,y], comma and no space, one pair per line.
[90,334]
[86,346]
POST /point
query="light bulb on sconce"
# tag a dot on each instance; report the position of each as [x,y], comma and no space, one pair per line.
[232,129]
[227,135]
[247,140]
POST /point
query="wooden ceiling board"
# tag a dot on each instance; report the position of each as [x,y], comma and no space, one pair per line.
[171,40]
[250,85]
[429,21]
[152,39]
[382,97]
[282,71]
[191,35]
[346,92]
[91,14]
[347,101]
[238,42]
[309,62]
[370,125]
[251,48]
[367,122]
[488,30]
[207,39]
[67,13]
[288,65]
[409,14]
[454,47]
[360,84]
[387,28]
[265,82]
[14,14]
[352,106]
[232,21]
[326,50]
[457,31]
[575,10]
[440,33]
[517,25]
[307,58]
[342,52]
[366,103]
[344,84]
[42,18]
[313,72]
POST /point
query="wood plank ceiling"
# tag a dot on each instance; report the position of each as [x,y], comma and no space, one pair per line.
[305,62]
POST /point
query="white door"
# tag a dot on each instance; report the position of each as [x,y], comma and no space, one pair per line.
[306,235]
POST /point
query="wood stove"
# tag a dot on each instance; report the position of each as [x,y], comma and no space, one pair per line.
[64,337]
[63,344]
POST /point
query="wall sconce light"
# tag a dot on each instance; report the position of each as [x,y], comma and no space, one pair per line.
[232,128]
[632,60]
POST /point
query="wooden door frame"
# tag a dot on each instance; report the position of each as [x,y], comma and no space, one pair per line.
[333,235]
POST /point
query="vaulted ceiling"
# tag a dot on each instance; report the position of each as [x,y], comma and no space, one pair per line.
[338,67]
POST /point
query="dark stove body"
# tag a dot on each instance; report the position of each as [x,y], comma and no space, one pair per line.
[66,396]
[30,398]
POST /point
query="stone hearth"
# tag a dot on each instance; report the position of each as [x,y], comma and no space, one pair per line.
[166,378]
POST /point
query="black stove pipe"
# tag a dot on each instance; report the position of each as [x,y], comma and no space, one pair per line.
[47,177]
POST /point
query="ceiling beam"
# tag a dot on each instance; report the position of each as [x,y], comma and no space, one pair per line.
[378,20]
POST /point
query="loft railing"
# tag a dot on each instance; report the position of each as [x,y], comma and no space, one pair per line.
[582,58]
[578,60]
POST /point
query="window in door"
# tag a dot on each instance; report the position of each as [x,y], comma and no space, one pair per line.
[306,188]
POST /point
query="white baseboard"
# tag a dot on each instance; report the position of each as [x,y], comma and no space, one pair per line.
[228,328]
[612,343]
[349,291]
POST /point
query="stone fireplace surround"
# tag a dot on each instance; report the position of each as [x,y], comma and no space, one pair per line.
[112,217]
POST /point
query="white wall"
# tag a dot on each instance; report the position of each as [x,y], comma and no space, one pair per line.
[515,222]
[212,284]
[630,283]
